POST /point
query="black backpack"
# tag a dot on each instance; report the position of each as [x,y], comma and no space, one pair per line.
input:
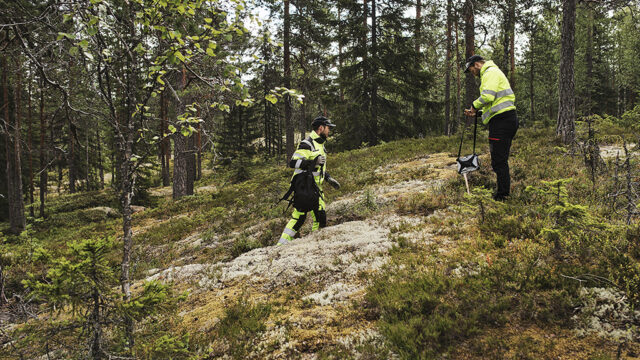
[306,193]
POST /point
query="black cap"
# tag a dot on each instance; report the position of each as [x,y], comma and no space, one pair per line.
[321,120]
[471,60]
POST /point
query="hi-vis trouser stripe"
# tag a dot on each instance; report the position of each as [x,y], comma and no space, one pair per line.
[296,222]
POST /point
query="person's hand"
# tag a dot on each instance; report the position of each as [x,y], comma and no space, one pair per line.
[470,112]
[333,182]
[321,160]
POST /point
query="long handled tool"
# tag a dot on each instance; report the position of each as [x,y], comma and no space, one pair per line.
[468,163]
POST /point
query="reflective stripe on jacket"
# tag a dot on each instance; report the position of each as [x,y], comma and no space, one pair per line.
[496,95]
[308,150]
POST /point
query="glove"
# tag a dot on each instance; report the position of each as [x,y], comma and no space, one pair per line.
[333,182]
[320,160]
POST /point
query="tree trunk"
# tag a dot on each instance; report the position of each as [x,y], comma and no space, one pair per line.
[14,177]
[512,49]
[100,166]
[588,106]
[458,82]
[416,104]
[71,156]
[532,100]
[183,150]
[287,81]
[447,75]
[30,135]
[469,40]
[565,128]
[374,74]
[199,149]
[43,152]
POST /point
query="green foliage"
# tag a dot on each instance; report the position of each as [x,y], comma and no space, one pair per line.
[242,322]
[424,314]
[79,292]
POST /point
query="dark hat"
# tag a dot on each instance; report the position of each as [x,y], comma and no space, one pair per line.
[471,60]
[321,120]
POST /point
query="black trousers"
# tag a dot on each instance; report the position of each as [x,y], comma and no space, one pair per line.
[502,129]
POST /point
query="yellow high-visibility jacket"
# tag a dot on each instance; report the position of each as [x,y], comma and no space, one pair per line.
[496,95]
[304,158]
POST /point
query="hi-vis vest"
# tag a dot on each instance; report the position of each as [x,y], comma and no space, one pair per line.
[496,95]
[309,149]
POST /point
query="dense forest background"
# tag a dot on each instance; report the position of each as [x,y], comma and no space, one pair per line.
[127,95]
[93,91]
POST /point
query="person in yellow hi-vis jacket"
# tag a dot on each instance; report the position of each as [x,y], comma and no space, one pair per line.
[311,157]
[497,102]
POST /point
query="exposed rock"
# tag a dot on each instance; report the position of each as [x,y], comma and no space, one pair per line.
[136,208]
[107,211]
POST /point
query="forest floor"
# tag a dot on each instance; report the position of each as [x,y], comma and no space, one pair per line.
[405,268]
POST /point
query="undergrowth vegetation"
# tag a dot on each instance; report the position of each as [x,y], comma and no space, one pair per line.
[517,264]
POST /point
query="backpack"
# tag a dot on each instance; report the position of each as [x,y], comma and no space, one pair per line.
[305,190]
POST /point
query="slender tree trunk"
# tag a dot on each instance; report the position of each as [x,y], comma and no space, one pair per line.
[469,39]
[163,144]
[565,128]
[458,82]
[100,165]
[447,75]
[374,76]
[14,177]
[416,103]
[589,61]
[183,151]
[199,149]
[71,156]
[43,152]
[340,52]
[532,94]
[87,173]
[30,140]
[512,37]
[287,81]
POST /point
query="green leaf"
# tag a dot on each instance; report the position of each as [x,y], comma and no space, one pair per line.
[62,35]
[185,131]
[172,129]
[271,98]
[210,52]
[208,20]
[179,55]
[159,80]
[73,51]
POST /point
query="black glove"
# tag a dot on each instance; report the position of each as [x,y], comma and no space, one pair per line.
[333,182]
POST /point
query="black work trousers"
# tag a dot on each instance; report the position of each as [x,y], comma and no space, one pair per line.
[502,129]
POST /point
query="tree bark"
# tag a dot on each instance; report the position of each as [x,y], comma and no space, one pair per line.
[469,39]
[100,165]
[447,75]
[287,81]
[458,82]
[30,141]
[71,155]
[183,150]
[532,99]
[374,74]
[199,149]
[17,219]
[43,153]
[565,128]
[588,106]
[416,103]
